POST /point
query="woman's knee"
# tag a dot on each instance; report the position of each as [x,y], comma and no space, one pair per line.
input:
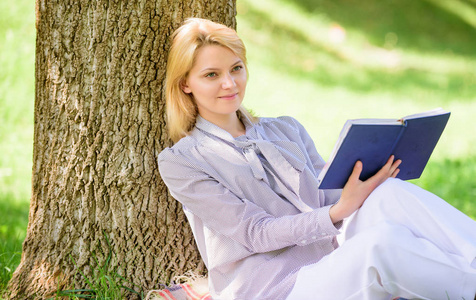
[385,198]
[385,238]
[388,186]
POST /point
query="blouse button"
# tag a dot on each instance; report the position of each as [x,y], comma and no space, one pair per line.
[303,241]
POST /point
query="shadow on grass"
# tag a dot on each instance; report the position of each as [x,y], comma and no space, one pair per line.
[293,51]
[419,25]
[13,224]
[13,218]
[452,180]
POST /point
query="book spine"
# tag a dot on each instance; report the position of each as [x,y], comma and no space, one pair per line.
[397,140]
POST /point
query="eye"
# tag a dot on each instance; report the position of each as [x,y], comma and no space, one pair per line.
[237,68]
[211,75]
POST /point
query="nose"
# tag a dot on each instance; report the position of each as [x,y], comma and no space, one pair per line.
[228,81]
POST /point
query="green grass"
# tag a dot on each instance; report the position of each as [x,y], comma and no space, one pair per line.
[12,234]
[17,43]
[14,217]
[396,58]
[106,283]
[456,182]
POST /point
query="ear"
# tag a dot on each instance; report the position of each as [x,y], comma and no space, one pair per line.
[185,88]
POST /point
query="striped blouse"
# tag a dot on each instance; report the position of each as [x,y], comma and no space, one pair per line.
[253,204]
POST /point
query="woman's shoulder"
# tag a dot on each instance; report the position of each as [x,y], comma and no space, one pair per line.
[286,126]
[179,150]
[283,122]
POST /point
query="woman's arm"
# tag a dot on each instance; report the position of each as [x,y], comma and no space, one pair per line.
[239,219]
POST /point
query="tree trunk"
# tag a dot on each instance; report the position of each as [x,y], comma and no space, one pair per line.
[99,126]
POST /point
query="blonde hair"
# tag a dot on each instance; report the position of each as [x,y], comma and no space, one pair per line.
[187,40]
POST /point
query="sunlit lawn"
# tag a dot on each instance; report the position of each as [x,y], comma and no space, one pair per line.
[320,61]
[17,44]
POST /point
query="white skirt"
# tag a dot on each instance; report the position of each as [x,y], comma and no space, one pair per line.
[403,242]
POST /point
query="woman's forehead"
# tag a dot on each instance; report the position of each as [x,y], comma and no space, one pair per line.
[215,57]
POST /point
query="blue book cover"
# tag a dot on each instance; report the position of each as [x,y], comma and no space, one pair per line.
[372,141]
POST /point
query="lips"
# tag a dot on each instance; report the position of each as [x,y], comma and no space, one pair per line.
[229,96]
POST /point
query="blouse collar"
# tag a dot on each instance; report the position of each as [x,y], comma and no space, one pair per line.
[207,126]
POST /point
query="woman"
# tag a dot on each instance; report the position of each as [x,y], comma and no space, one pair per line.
[264,230]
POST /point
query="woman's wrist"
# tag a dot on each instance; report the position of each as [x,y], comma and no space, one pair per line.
[336,213]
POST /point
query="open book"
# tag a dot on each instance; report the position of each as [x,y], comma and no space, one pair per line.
[372,141]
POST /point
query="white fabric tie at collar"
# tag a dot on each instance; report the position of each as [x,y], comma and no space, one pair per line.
[287,164]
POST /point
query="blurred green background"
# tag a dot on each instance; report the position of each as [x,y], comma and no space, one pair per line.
[321,61]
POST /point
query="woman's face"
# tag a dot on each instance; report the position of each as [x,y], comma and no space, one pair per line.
[217,82]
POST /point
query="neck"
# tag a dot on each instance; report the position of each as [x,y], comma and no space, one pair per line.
[231,123]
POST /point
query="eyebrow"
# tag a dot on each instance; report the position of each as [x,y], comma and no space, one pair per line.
[214,69]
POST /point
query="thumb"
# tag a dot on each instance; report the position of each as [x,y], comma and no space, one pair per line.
[356,171]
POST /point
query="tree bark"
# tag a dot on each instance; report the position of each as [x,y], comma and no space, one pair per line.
[99,126]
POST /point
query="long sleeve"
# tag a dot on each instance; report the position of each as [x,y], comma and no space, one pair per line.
[238,218]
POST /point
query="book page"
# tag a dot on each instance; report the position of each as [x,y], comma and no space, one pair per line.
[433,112]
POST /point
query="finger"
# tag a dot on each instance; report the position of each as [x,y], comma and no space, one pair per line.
[391,165]
[390,161]
[395,166]
[356,171]
[395,173]
[397,162]
[385,170]
[386,167]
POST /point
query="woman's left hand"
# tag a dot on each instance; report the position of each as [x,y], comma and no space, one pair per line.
[356,191]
